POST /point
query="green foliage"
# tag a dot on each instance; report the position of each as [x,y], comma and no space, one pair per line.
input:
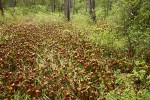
[131,20]
[139,27]
[107,39]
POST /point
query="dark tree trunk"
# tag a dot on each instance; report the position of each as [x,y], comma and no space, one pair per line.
[92,9]
[1,8]
[67,9]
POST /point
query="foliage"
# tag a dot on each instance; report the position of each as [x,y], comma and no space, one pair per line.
[44,57]
[50,61]
[131,18]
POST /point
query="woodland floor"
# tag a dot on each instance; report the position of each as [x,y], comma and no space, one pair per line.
[56,61]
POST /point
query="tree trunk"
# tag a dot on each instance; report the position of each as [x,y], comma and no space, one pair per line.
[67,9]
[92,9]
[1,8]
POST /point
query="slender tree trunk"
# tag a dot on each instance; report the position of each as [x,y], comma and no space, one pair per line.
[67,9]
[1,8]
[92,9]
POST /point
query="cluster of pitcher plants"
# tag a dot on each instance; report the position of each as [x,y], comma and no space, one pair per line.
[54,62]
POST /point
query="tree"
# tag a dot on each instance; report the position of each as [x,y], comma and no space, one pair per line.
[67,9]
[138,28]
[1,8]
[92,9]
[132,18]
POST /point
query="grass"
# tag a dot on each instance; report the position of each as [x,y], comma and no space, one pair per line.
[45,57]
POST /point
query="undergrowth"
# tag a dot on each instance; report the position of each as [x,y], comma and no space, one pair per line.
[44,57]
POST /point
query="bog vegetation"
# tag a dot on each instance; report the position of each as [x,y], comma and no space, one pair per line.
[75,50]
